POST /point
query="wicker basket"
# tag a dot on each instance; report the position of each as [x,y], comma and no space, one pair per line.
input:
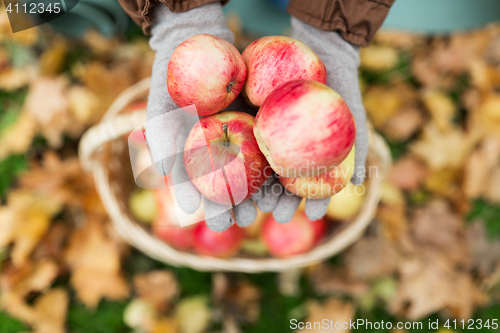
[103,150]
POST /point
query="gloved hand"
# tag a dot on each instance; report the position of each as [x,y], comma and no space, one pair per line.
[341,60]
[166,135]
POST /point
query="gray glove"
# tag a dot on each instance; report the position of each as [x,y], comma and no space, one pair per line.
[167,133]
[341,61]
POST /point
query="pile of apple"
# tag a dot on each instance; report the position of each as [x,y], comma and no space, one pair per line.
[265,236]
[303,132]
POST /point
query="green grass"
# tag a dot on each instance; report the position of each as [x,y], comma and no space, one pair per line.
[107,318]
[488,213]
[9,169]
[11,325]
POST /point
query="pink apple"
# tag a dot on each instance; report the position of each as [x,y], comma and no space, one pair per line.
[325,185]
[284,240]
[304,129]
[272,61]
[181,238]
[205,71]
[226,166]
[217,244]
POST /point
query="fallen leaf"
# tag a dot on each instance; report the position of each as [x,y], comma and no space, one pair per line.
[335,311]
[403,124]
[17,283]
[398,39]
[85,105]
[429,283]
[52,59]
[407,174]
[24,222]
[370,258]
[47,102]
[441,108]
[443,149]
[379,58]
[159,288]
[50,311]
[485,253]
[479,167]
[17,138]
[237,295]
[94,261]
[327,280]
[437,227]
[65,182]
[382,103]
[493,191]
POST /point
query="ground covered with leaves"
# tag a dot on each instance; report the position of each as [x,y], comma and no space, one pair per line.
[432,252]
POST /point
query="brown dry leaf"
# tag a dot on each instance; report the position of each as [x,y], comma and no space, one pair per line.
[85,105]
[99,44]
[52,59]
[65,182]
[238,295]
[379,58]
[160,288]
[479,167]
[441,108]
[404,123]
[17,283]
[485,253]
[50,311]
[493,191]
[24,222]
[393,221]
[17,138]
[106,82]
[334,310]
[327,280]
[371,257]
[429,283]
[382,103]
[47,102]
[407,174]
[14,78]
[27,37]
[488,114]
[484,76]
[94,260]
[442,150]
[437,227]
[398,39]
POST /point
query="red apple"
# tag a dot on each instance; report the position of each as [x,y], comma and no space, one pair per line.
[171,213]
[181,238]
[319,229]
[272,61]
[304,129]
[226,166]
[218,244]
[205,71]
[325,185]
[166,228]
[284,240]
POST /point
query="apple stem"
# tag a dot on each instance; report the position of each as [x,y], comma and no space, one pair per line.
[229,86]
[226,138]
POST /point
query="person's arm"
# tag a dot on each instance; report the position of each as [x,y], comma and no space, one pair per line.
[356,21]
[141,10]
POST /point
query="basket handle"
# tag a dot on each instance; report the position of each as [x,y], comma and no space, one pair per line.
[113,124]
